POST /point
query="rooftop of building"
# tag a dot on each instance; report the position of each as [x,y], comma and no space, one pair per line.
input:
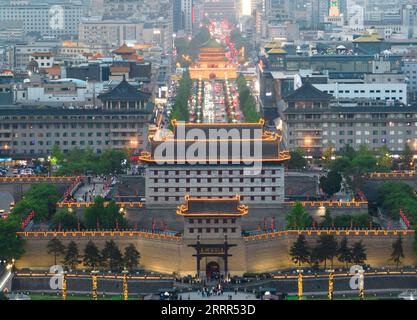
[124,49]
[212,207]
[14,110]
[124,92]
[225,143]
[337,108]
[307,92]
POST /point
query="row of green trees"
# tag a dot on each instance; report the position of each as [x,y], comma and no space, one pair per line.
[110,257]
[393,196]
[247,102]
[180,110]
[298,219]
[40,198]
[327,249]
[353,164]
[97,216]
[346,221]
[81,161]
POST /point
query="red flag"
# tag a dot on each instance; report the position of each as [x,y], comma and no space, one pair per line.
[153,224]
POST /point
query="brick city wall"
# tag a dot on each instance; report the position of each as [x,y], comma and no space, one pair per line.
[271,251]
[262,253]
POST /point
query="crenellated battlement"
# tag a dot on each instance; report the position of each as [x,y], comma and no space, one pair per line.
[353,232]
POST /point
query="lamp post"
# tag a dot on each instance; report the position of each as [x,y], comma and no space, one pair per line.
[64,285]
[125,288]
[331,282]
[361,285]
[300,284]
[94,287]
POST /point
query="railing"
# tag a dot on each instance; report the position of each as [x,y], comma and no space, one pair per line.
[72,188]
[27,220]
[343,274]
[97,233]
[329,203]
[83,204]
[311,232]
[38,179]
[103,276]
[405,219]
[391,174]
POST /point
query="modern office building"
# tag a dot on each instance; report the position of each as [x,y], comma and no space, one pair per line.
[47,19]
[187,8]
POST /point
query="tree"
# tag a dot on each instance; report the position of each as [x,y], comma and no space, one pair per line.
[56,154]
[56,248]
[407,157]
[326,248]
[72,258]
[247,103]
[112,161]
[348,151]
[11,245]
[64,219]
[358,253]
[331,184]
[397,251]
[344,253]
[107,217]
[299,251]
[131,256]
[41,198]
[328,154]
[327,220]
[393,196]
[340,165]
[297,160]
[92,257]
[384,159]
[112,256]
[298,218]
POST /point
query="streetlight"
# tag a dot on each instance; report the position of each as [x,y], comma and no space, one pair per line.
[94,284]
[361,285]
[331,281]
[300,284]
[64,285]
[125,288]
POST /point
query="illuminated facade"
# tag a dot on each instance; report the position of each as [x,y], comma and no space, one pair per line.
[212,63]
[259,182]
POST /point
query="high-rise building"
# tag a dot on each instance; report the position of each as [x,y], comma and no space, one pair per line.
[319,10]
[177,16]
[47,19]
[187,14]
[355,15]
